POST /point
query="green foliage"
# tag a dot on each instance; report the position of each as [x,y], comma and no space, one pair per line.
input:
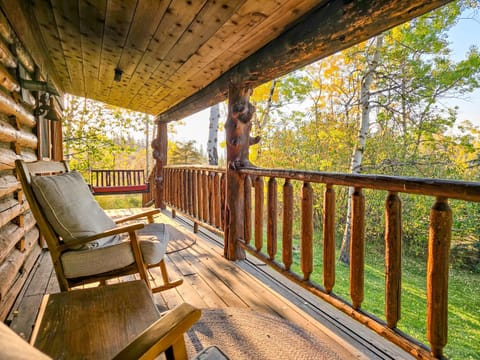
[415,132]
[103,137]
[184,153]
[412,133]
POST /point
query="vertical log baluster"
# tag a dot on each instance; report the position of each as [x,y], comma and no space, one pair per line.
[329,238]
[182,187]
[170,188]
[184,191]
[223,186]
[176,185]
[357,249]
[393,258]
[306,256]
[272,218]
[209,197]
[189,192]
[166,185]
[211,204]
[177,190]
[287,224]
[247,234]
[195,194]
[437,275]
[205,196]
[216,199]
[200,194]
[259,213]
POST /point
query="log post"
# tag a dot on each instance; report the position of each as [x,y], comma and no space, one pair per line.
[160,146]
[439,239]
[237,135]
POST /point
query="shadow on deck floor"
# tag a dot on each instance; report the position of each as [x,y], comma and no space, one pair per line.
[212,282]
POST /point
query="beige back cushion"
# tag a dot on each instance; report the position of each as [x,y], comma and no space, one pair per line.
[13,347]
[71,208]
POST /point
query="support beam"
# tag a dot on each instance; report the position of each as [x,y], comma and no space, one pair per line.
[333,26]
[160,146]
[237,131]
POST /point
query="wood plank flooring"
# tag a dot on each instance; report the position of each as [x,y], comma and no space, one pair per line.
[211,281]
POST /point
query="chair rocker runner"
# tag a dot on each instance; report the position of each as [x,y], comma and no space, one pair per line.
[85,244]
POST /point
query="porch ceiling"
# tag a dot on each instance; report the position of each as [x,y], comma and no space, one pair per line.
[178,56]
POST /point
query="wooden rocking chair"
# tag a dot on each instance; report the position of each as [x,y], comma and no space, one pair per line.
[85,244]
[165,336]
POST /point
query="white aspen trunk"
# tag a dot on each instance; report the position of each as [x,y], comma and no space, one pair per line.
[213,135]
[357,156]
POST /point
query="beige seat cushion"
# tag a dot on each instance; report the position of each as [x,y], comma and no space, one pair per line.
[13,347]
[71,208]
[153,242]
[117,253]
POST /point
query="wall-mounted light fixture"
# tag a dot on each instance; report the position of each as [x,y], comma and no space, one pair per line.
[118,74]
[46,108]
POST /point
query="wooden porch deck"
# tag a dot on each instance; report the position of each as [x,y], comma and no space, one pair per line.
[211,281]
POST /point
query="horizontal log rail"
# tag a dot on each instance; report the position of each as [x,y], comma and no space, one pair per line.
[109,182]
[196,190]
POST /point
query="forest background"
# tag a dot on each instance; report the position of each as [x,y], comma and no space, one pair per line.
[386,106]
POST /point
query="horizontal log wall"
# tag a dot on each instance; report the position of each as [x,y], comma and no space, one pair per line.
[188,191]
[19,237]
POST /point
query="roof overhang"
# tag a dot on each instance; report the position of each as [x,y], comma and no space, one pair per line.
[174,58]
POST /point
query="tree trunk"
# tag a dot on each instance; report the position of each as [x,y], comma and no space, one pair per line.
[237,131]
[213,135]
[356,161]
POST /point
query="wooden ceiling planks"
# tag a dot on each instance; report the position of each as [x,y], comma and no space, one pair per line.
[118,20]
[171,50]
[48,27]
[330,28]
[254,23]
[208,21]
[92,23]
[139,38]
[67,19]
[175,22]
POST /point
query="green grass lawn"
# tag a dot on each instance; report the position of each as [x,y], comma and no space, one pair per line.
[464,300]
[119,201]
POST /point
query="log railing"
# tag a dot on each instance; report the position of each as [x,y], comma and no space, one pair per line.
[196,191]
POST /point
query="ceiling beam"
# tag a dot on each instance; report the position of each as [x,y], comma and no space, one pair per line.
[334,26]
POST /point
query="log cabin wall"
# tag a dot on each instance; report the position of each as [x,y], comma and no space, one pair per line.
[19,237]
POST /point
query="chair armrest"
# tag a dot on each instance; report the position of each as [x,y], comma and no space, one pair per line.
[147,213]
[162,334]
[117,230]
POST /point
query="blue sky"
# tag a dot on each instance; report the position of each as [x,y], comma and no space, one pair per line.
[465,34]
